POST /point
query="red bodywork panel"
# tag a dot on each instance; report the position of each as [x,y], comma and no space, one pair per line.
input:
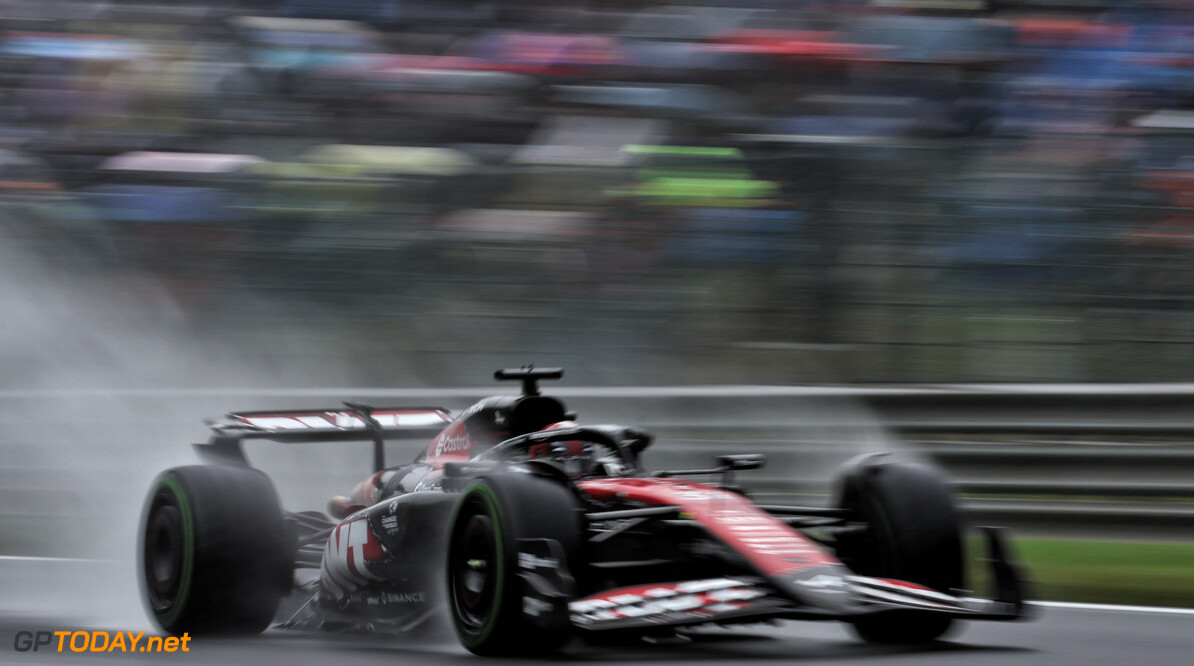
[771,546]
[452,445]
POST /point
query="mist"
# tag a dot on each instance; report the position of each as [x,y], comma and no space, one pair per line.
[106,381]
[806,435]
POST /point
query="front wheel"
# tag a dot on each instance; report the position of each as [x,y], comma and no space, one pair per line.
[912,533]
[514,542]
[215,555]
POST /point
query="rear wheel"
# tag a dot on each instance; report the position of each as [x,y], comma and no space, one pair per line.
[215,555]
[514,540]
[912,533]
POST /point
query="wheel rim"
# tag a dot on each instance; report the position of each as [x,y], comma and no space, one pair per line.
[474,573]
[164,549]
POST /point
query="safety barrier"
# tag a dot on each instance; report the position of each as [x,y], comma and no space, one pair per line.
[1109,461]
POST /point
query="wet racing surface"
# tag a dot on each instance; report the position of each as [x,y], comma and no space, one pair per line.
[1058,636]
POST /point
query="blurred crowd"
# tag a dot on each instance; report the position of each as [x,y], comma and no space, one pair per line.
[757,190]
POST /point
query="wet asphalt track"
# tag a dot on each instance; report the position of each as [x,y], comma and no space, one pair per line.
[1057,636]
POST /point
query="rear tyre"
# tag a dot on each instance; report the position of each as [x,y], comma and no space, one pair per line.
[913,533]
[487,584]
[215,554]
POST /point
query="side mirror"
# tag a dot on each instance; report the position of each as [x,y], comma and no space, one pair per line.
[742,461]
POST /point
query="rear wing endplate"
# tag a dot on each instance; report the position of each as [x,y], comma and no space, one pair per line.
[353,422]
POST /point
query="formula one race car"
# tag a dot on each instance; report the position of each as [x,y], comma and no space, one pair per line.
[532,530]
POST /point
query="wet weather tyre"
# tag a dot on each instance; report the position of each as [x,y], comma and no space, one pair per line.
[215,554]
[486,582]
[913,533]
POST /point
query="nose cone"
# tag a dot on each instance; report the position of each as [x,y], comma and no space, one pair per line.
[823,587]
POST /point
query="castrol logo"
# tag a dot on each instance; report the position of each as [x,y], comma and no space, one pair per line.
[451,444]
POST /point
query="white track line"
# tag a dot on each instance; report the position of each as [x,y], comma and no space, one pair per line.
[86,560]
[1113,607]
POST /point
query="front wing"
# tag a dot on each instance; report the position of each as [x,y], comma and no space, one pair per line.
[748,599]
[839,595]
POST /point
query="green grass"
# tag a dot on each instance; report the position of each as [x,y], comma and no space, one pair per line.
[1151,574]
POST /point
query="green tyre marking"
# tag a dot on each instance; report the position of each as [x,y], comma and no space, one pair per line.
[188,552]
[485,493]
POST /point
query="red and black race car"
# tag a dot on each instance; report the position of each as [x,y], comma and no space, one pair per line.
[531,530]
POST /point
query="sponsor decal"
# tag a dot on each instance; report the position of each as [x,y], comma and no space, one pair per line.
[762,534]
[98,641]
[557,434]
[396,598]
[342,420]
[663,603]
[699,495]
[349,548]
[903,593]
[529,561]
[446,444]
[773,547]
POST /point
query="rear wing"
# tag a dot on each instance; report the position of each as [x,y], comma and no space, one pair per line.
[353,422]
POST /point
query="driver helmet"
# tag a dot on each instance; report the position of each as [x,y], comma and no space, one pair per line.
[576,457]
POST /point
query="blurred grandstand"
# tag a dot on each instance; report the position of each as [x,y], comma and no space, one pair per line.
[749,191]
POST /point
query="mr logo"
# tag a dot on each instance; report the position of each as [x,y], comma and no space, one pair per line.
[28,640]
